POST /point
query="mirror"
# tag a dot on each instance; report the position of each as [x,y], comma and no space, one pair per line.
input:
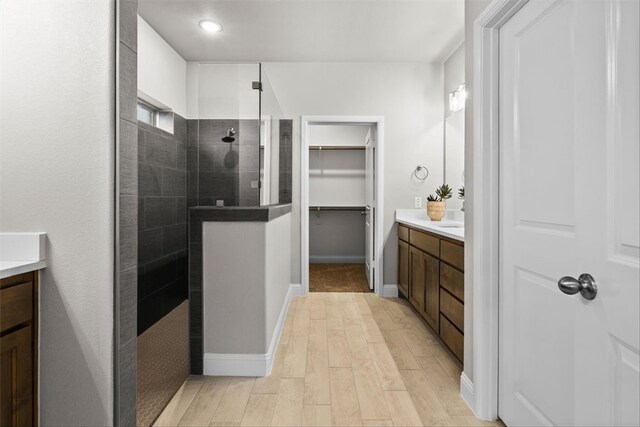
[454,103]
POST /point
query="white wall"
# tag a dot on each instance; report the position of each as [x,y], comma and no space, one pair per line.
[473,8]
[162,72]
[224,91]
[454,127]
[56,175]
[408,95]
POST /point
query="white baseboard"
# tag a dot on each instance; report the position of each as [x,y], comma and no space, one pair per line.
[250,365]
[389,291]
[296,290]
[330,259]
[466,392]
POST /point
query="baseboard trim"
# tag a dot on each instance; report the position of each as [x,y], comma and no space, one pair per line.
[250,365]
[466,392]
[390,291]
[320,259]
[296,290]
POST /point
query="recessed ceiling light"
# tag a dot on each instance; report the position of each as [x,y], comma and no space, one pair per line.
[210,26]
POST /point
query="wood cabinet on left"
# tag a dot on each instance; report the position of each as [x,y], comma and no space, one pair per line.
[18,350]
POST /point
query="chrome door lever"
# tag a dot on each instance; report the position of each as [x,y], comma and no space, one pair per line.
[585,284]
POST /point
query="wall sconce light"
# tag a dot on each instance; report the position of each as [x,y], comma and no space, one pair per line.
[457,98]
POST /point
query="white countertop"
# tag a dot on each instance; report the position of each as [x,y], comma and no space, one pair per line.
[12,268]
[21,253]
[417,218]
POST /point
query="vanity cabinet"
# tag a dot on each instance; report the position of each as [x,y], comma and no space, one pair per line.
[431,277]
[18,350]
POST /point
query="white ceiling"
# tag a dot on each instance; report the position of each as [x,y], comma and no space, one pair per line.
[310,30]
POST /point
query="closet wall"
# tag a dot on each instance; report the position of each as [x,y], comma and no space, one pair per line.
[337,179]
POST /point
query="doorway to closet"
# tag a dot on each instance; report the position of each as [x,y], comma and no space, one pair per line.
[340,210]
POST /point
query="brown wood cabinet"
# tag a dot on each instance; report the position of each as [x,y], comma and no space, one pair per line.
[431,277]
[403,267]
[18,350]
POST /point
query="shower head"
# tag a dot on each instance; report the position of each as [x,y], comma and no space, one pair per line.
[230,135]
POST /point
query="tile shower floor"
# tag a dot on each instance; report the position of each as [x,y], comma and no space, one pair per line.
[343,359]
[337,278]
[163,363]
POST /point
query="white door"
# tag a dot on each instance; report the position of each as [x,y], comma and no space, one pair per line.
[569,204]
[370,208]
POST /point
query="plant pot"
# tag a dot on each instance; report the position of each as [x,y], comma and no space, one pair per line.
[436,210]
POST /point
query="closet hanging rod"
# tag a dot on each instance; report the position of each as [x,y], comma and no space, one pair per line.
[337,208]
[337,147]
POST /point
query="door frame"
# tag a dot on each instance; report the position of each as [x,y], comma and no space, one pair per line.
[482,394]
[378,123]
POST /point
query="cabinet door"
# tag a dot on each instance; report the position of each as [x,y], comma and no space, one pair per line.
[16,379]
[431,309]
[403,267]
[416,278]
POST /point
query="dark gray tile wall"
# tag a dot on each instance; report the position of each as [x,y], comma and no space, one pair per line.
[162,231]
[222,171]
[284,182]
[125,292]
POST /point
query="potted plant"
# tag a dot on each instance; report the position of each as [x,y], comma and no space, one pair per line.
[461,196]
[437,205]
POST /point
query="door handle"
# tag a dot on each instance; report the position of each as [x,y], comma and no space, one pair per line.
[585,284]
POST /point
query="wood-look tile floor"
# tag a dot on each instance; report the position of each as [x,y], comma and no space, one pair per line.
[343,359]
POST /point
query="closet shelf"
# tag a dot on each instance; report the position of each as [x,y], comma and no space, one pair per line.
[337,147]
[337,208]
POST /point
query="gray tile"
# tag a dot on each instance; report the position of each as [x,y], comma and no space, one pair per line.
[195,267]
[191,202]
[249,201]
[159,150]
[196,355]
[141,139]
[140,213]
[181,210]
[174,183]
[159,212]
[206,159]
[181,156]
[128,175]
[218,184]
[192,185]
[129,23]
[212,131]
[128,248]
[149,245]
[249,160]
[128,78]
[195,314]
[249,132]
[192,133]
[128,211]
[195,232]
[128,139]
[180,129]
[150,180]
[174,239]
[192,159]
[128,304]
[127,377]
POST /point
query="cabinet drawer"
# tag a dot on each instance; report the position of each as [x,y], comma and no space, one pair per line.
[403,233]
[16,304]
[452,308]
[452,280]
[452,254]
[426,242]
[452,337]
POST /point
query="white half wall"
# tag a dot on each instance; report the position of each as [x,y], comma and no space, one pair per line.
[408,95]
[57,147]
[162,72]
